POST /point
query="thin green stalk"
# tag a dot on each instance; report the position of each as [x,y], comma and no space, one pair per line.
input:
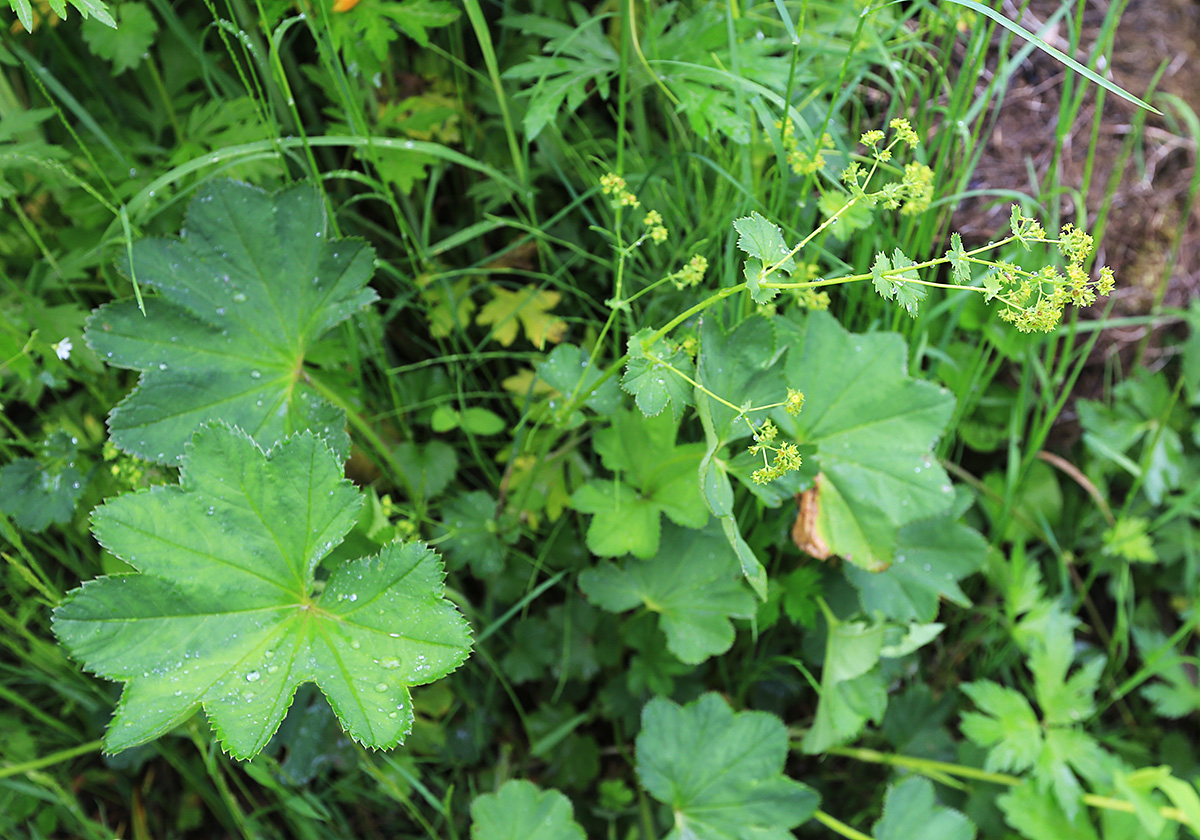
[926,766]
[839,826]
[47,760]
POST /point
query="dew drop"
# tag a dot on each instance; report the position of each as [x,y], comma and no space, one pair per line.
[389,662]
[162,366]
[381,686]
[254,374]
[253,676]
[355,644]
[238,297]
[220,310]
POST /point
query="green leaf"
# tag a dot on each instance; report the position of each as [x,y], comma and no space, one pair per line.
[742,366]
[1038,816]
[852,691]
[755,272]
[243,297]
[473,534]
[931,557]
[520,810]
[763,240]
[656,477]
[1129,539]
[721,773]
[855,217]
[693,583]
[1006,724]
[567,370]
[86,8]
[413,17]
[893,283]
[960,265]
[124,43]
[224,611]
[883,285]
[873,428]
[38,492]
[1175,696]
[652,375]
[623,522]
[909,293]
[910,810]
[428,468]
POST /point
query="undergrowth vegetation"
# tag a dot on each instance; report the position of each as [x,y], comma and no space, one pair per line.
[527,420]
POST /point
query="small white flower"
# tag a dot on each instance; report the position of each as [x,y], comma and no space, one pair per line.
[62,349]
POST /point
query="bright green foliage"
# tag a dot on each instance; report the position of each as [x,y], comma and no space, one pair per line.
[910,811]
[1129,539]
[931,557]
[893,282]
[126,44]
[873,428]
[652,375]
[527,308]
[693,52]
[852,690]
[520,810]
[244,295]
[87,8]
[1037,815]
[693,583]
[960,267]
[720,771]
[224,611]
[36,492]
[1054,747]
[654,477]
[762,240]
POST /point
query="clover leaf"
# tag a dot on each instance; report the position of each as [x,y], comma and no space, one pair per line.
[720,772]
[693,583]
[244,294]
[873,427]
[226,612]
[520,810]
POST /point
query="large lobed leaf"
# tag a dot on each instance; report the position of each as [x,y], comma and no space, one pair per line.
[720,772]
[874,428]
[225,611]
[244,293]
[693,583]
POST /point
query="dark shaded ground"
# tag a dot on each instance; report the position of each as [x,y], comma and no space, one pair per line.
[1152,236]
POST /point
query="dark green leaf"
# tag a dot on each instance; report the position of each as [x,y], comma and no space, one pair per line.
[721,773]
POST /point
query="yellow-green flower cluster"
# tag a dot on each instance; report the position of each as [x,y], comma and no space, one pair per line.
[1034,301]
[801,163]
[918,186]
[126,470]
[654,227]
[691,274]
[786,455]
[794,402]
[614,185]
